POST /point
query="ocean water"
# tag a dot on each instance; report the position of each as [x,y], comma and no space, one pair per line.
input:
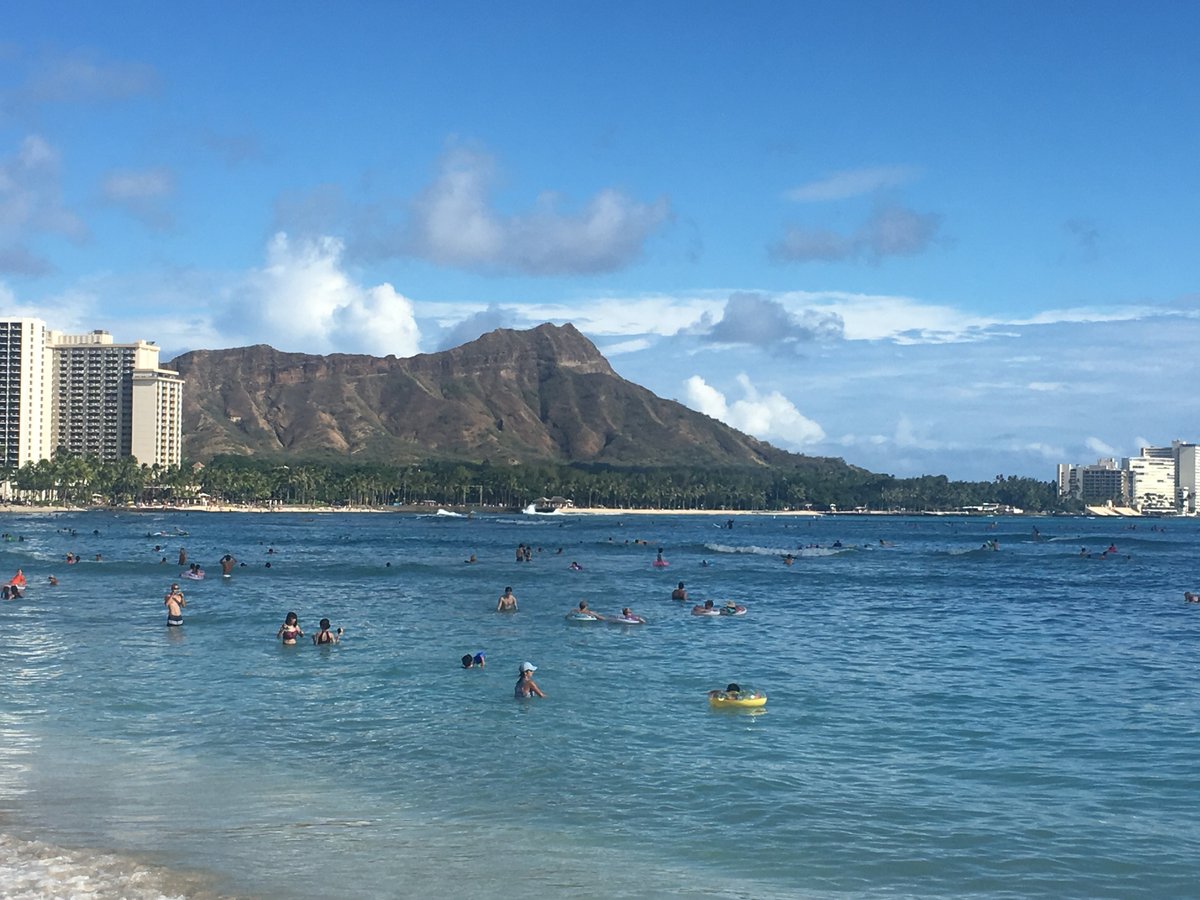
[944,720]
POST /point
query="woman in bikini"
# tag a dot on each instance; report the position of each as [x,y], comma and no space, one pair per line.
[290,629]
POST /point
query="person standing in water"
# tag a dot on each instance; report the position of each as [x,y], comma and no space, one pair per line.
[227,564]
[290,629]
[325,636]
[526,687]
[507,602]
[174,603]
[182,556]
[680,593]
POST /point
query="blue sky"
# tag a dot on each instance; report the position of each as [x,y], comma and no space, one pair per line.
[924,237]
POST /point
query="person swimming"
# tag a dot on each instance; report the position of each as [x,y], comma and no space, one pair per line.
[583,610]
[473,662]
[706,610]
[680,593]
[733,691]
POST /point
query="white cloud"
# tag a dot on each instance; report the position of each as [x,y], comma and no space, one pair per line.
[303,299]
[1055,453]
[630,346]
[852,183]
[124,186]
[768,417]
[31,205]
[85,80]
[452,223]
[1099,447]
[760,321]
[1052,387]
[907,436]
[474,325]
[656,314]
[891,230]
[142,193]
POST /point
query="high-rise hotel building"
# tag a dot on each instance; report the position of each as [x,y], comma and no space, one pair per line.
[24,392]
[85,394]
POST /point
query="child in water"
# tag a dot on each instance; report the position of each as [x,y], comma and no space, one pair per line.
[325,636]
[733,691]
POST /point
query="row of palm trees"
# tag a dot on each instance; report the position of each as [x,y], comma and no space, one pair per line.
[819,484]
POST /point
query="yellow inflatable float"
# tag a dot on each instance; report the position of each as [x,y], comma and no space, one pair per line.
[733,697]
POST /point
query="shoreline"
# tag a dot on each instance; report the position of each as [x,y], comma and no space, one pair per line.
[408,509]
[467,511]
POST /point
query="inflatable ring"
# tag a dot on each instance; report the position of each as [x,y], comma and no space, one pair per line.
[722,702]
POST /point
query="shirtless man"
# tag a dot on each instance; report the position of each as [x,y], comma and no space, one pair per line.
[507,602]
[174,603]
[679,593]
[227,564]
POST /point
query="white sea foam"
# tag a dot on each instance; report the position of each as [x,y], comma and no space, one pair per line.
[531,510]
[772,551]
[452,515]
[32,870]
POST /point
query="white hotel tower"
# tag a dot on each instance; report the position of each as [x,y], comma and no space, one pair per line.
[24,392]
[85,394]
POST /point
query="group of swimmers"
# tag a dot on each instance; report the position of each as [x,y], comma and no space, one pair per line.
[290,631]
[525,687]
[15,589]
[708,608]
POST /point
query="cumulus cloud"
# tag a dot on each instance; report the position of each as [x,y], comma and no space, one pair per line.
[891,230]
[453,223]
[141,193]
[768,417]
[852,183]
[31,205]
[760,321]
[302,298]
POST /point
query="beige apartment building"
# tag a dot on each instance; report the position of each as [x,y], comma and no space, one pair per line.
[85,394]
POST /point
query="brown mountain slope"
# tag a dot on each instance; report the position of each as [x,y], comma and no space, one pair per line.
[540,395]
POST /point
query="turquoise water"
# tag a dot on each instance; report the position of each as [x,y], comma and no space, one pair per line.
[943,720]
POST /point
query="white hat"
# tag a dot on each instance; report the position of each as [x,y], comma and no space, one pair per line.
[528,667]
